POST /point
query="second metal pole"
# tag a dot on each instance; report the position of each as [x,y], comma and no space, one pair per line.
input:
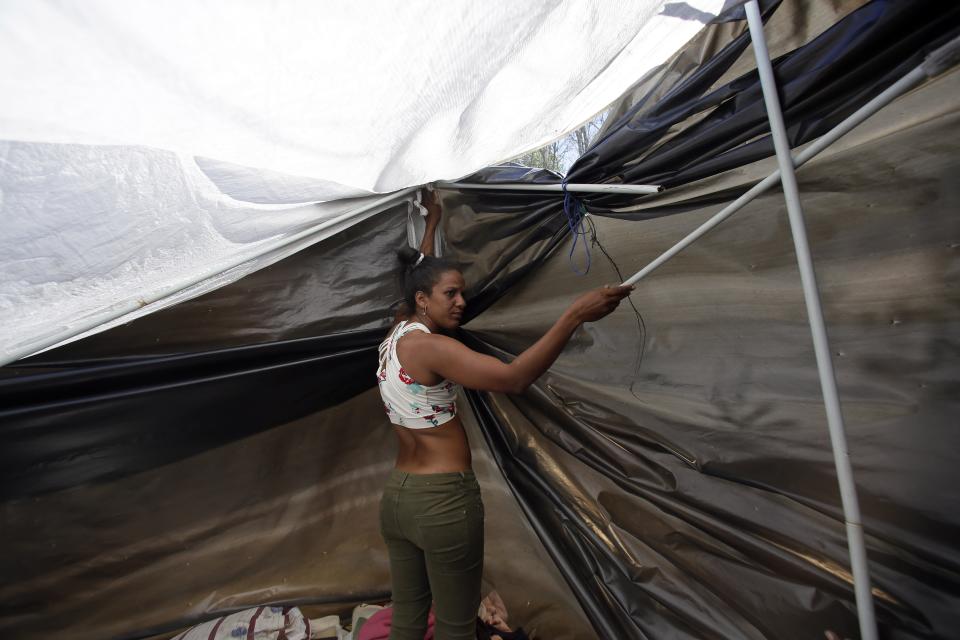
[811,294]
[635,189]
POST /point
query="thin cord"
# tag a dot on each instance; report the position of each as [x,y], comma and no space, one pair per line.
[575,213]
[641,325]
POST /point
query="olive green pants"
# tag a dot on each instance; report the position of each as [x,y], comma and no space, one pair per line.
[433,527]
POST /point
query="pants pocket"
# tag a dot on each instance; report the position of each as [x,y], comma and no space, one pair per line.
[444,534]
[453,541]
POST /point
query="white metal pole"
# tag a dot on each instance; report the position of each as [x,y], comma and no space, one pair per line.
[907,82]
[124,307]
[811,294]
[558,188]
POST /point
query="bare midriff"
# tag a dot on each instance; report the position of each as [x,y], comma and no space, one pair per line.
[442,449]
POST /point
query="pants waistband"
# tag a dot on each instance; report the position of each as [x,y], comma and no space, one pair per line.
[454,478]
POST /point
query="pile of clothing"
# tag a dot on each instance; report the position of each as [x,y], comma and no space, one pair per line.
[373,623]
[367,622]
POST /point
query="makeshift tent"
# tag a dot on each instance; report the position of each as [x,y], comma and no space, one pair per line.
[671,476]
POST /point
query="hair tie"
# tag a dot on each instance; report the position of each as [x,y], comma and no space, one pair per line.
[419,260]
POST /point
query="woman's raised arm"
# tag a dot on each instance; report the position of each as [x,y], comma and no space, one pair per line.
[454,361]
[430,202]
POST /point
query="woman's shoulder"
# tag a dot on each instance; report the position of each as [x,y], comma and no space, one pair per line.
[420,336]
[417,332]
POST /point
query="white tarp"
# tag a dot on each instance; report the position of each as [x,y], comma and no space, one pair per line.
[148,145]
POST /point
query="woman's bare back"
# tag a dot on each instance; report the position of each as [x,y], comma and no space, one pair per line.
[442,449]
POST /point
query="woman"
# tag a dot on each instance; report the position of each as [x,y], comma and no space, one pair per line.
[431,515]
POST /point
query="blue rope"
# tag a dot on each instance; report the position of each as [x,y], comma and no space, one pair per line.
[575,211]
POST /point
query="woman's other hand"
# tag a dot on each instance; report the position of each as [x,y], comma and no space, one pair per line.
[595,304]
[431,203]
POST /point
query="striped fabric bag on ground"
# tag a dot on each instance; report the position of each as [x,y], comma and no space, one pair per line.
[261,623]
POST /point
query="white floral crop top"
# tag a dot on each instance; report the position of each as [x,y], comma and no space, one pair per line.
[409,403]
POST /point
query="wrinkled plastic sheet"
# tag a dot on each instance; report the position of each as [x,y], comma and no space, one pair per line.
[287,516]
[87,232]
[711,118]
[690,494]
[225,453]
[151,152]
[680,468]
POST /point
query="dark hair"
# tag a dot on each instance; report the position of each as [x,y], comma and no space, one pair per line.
[418,277]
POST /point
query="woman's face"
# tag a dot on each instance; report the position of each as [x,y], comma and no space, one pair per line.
[444,306]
